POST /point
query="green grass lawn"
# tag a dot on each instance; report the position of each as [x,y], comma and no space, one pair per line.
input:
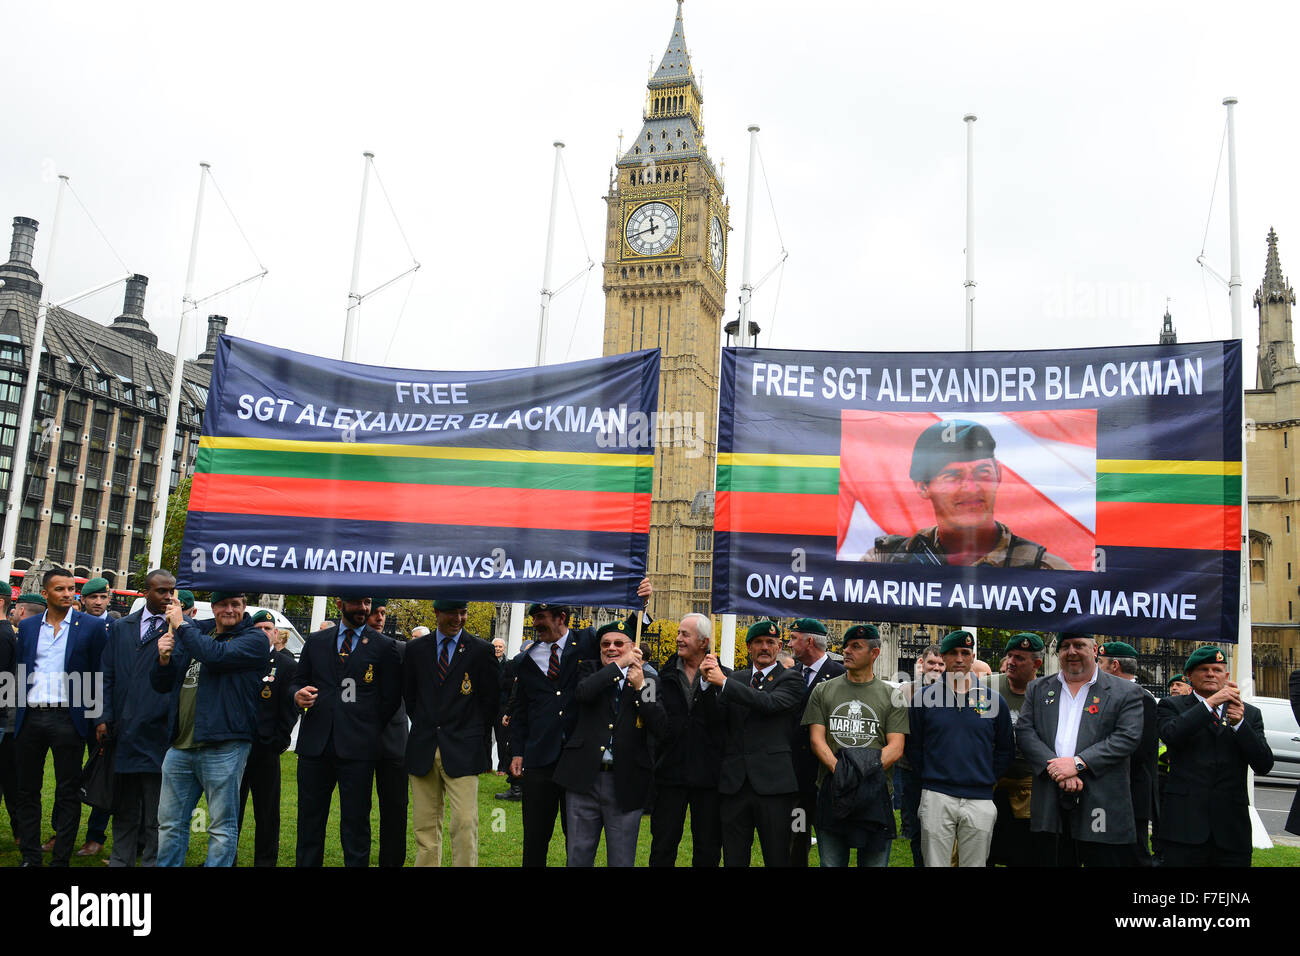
[500,832]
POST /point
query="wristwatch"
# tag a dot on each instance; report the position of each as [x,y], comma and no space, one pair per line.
[1079,765]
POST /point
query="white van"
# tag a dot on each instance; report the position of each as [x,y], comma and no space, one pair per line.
[204,613]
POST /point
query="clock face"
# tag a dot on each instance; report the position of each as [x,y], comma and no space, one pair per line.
[652,229]
[715,244]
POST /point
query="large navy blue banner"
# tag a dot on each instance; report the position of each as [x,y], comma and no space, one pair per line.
[1087,489]
[317,476]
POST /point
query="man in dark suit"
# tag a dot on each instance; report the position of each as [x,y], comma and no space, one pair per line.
[509,670]
[8,771]
[1120,659]
[138,718]
[349,683]
[606,766]
[808,644]
[60,653]
[392,786]
[1077,729]
[1293,818]
[1212,736]
[543,716]
[689,757]
[450,685]
[276,715]
[757,780]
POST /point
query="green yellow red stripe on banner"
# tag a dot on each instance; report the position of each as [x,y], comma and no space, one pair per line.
[422,484]
[777,494]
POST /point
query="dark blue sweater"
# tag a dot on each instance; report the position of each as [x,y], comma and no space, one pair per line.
[962,750]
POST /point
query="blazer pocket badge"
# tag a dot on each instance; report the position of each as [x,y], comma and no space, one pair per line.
[466,688]
[266,692]
[370,674]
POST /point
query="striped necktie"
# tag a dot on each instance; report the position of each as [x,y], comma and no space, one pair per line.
[346,649]
[444,659]
[155,629]
[553,669]
[758,678]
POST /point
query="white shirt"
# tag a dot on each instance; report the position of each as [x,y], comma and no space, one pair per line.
[1217,714]
[812,670]
[540,652]
[1067,725]
[48,684]
[765,671]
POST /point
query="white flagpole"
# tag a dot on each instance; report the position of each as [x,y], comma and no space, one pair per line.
[1241,660]
[320,603]
[159,525]
[515,631]
[969,120]
[18,476]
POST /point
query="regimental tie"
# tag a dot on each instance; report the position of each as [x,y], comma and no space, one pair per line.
[155,630]
[444,659]
[553,669]
[758,679]
[346,649]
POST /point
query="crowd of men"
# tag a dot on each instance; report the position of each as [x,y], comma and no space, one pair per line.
[1080,767]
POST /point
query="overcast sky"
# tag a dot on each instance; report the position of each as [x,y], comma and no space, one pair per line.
[1097,143]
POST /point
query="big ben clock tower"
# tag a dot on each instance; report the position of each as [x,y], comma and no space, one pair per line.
[665,287]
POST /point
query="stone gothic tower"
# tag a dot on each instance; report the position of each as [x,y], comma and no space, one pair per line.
[1274,299]
[665,287]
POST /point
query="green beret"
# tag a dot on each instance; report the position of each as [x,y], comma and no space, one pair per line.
[31,599]
[263,617]
[378,602]
[450,604]
[1024,641]
[1073,636]
[558,608]
[1205,654]
[862,632]
[619,626]
[94,586]
[946,442]
[1176,679]
[957,639]
[186,598]
[1118,649]
[808,625]
[219,596]
[762,629]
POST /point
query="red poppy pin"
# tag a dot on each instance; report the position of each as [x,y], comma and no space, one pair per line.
[1092,709]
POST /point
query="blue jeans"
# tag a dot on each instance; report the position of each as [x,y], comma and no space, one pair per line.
[834,851]
[214,770]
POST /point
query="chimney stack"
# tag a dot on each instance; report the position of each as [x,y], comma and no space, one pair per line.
[24,241]
[216,326]
[131,322]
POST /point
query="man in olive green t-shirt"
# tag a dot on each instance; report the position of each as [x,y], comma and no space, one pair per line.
[856,709]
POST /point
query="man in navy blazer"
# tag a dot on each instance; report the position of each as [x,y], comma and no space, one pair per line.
[58,656]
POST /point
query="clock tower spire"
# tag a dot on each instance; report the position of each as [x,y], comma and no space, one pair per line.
[665,287]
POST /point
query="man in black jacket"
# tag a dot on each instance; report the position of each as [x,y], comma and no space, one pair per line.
[1120,659]
[138,719]
[606,766]
[757,780]
[690,756]
[349,683]
[392,786]
[545,680]
[450,685]
[1212,736]
[276,715]
[8,769]
[808,644]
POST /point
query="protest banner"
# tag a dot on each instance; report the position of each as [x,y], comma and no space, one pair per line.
[317,476]
[1094,490]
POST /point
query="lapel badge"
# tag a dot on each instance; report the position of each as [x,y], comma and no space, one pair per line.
[1096,700]
[370,674]
[466,688]
[365,640]
[266,692]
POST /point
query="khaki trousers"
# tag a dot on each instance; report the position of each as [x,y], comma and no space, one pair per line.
[955,823]
[426,816]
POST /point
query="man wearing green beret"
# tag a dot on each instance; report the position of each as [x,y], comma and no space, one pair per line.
[960,745]
[757,781]
[1120,659]
[1012,844]
[954,469]
[1213,737]
[186,599]
[276,715]
[392,784]
[1178,686]
[95,598]
[808,645]
[858,711]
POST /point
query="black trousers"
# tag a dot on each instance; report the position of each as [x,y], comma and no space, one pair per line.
[317,777]
[1141,847]
[543,799]
[1062,850]
[262,779]
[1012,843]
[503,747]
[9,781]
[668,820]
[746,811]
[1201,854]
[393,784]
[135,819]
[45,730]
[801,836]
